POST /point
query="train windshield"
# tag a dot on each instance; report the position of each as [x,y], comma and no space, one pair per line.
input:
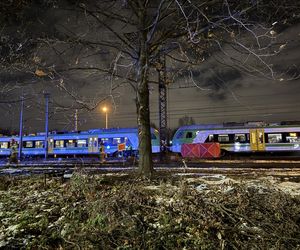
[179,134]
[153,137]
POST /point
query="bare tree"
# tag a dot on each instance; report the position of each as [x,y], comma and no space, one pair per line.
[186,120]
[122,41]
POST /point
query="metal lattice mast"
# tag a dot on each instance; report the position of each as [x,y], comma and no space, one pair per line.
[163,133]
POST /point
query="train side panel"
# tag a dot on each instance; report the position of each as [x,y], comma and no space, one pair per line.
[252,139]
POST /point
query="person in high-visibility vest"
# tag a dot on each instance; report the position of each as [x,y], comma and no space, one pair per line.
[102,152]
[129,150]
[13,152]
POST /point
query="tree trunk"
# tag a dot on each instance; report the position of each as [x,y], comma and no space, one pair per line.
[143,115]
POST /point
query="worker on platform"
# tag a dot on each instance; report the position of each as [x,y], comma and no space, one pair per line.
[129,150]
[102,152]
[13,152]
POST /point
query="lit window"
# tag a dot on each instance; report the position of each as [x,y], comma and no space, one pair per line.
[70,144]
[223,138]
[59,144]
[274,138]
[3,144]
[116,140]
[81,143]
[293,137]
[29,144]
[40,144]
[239,138]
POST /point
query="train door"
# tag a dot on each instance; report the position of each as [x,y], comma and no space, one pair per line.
[50,145]
[93,144]
[257,139]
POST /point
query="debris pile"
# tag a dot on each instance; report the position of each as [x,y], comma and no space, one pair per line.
[183,213]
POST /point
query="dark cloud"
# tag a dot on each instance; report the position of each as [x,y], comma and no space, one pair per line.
[224,93]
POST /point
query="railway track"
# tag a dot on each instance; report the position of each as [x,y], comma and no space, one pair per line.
[244,167]
[86,162]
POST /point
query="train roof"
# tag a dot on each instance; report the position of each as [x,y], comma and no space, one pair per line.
[254,124]
[93,131]
[112,130]
[201,126]
[78,133]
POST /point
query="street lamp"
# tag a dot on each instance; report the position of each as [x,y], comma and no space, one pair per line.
[47,96]
[106,120]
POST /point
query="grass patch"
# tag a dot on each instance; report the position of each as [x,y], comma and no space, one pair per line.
[124,212]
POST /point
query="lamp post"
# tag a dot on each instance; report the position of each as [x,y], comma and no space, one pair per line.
[106,118]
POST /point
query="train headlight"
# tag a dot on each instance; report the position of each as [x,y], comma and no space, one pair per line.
[170,142]
[237,146]
[108,147]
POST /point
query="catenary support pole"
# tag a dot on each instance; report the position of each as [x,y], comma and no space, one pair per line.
[76,120]
[46,95]
[21,129]
[163,127]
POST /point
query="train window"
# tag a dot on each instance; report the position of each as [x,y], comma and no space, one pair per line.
[4,144]
[105,141]
[59,144]
[39,144]
[293,137]
[261,137]
[239,138]
[247,137]
[15,144]
[189,135]
[210,138]
[81,143]
[116,140]
[28,144]
[274,138]
[223,138]
[70,144]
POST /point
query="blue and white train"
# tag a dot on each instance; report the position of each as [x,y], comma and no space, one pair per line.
[85,143]
[233,138]
[242,137]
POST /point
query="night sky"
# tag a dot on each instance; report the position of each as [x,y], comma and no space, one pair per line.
[222,94]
